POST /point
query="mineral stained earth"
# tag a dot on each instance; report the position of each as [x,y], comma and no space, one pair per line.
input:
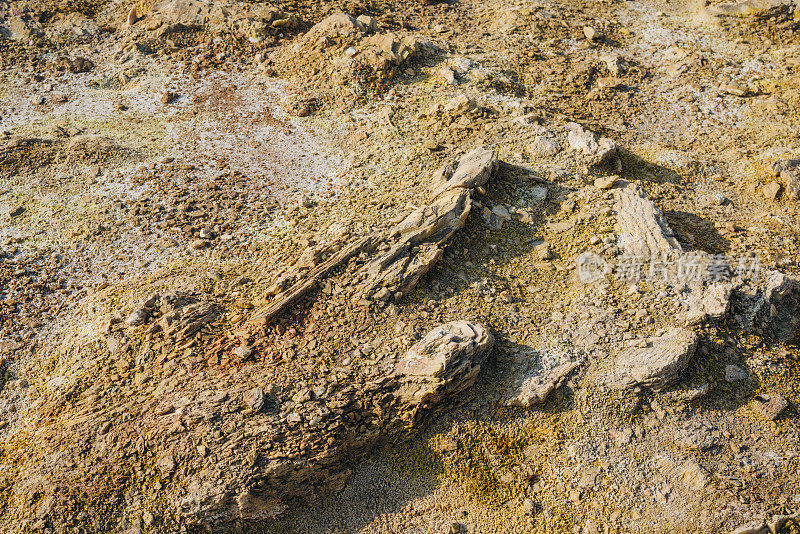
[413,266]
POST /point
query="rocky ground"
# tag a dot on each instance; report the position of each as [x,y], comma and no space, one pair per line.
[417,266]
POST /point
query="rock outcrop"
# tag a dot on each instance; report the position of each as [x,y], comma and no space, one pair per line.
[446,361]
[441,365]
[415,244]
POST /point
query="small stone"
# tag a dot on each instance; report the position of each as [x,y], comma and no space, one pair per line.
[771,190]
[431,146]
[370,24]
[544,147]
[592,34]
[448,75]
[169,97]
[198,244]
[543,251]
[460,104]
[350,51]
[255,399]
[606,182]
[769,406]
[735,89]
[139,316]
[734,373]
[80,65]
[133,17]
[527,507]
[243,351]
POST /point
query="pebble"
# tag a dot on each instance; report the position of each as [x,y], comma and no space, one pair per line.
[606,182]
[255,399]
[771,190]
[169,97]
[591,33]
[734,373]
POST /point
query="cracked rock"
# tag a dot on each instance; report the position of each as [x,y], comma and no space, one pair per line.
[446,361]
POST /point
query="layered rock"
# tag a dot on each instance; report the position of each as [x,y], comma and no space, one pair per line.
[660,362]
[642,231]
[644,235]
[439,367]
[534,378]
[415,244]
[446,361]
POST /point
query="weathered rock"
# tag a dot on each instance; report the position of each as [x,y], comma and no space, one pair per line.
[776,314]
[606,182]
[754,527]
[446,361]
[788,170]
[771,190]
[595,149]
[642,230]
[415,243]
[336,26]
[187,12]
[255,399]
[460,104]
[791,183]
[544,147]
[535,377]
[80,65]
[734,373]
[688,473]
[706,302]
[661,362]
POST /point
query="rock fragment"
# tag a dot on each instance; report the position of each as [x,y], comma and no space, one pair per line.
[788,170]
[597,151]
[534,378]
[641,228]
[776,314]
[771,190]
[661,362]
[415,244]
